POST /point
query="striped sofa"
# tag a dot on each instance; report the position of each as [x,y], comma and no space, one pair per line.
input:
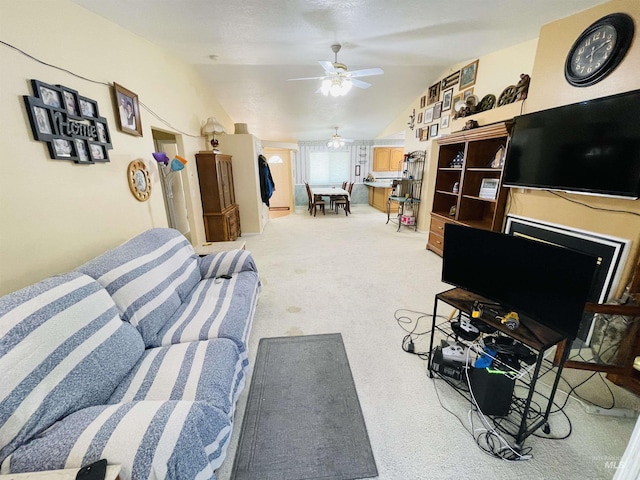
[138,357]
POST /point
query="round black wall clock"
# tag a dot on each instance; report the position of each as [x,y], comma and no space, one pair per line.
[599,50]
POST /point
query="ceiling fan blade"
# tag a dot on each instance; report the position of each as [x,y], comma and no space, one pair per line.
[328,66]
[360,83]
[305,78]
[366,72]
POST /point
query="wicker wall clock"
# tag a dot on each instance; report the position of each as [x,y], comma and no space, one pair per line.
[139,181]
[599,50]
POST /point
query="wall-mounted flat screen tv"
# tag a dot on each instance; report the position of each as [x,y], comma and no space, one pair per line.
[591,147]
[545,282]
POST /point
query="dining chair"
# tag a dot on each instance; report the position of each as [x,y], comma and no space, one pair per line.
[332,198]
[343,201]
[314,201]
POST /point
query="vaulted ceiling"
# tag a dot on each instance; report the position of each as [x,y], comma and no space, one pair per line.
[246,50]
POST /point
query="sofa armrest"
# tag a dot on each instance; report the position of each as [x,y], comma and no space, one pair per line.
[226,263]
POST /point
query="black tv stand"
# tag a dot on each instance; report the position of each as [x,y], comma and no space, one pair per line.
[532,334]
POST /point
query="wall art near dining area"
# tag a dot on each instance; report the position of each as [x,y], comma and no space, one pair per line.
[69,123]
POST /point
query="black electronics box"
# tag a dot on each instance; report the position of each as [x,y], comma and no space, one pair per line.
[492,391]
[444,367]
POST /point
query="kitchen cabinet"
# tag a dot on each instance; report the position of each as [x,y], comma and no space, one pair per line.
[221,214]
[378,198]
[387,159]
[458,197]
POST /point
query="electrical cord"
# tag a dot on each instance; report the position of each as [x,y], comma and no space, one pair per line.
[408,340]
[592,207]
[107,84]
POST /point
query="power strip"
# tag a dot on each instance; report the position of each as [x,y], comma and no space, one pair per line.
[611,412]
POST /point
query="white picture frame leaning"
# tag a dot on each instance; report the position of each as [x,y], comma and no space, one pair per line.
[489,188]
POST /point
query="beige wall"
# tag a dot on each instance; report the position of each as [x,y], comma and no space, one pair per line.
[550,89]
[55,215]
[496,71]
[544,59]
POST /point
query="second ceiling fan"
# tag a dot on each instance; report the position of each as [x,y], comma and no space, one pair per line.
[338,79]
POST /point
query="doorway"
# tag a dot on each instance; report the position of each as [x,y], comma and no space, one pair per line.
[172,185]
[281,202]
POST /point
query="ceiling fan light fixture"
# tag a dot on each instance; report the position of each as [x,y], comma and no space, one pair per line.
[335,143]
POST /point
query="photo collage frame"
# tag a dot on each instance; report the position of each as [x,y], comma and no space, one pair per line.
[69,123]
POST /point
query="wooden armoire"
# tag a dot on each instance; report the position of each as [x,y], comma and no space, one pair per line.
[219,208]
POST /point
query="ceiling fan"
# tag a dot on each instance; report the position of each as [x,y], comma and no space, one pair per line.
[336,141]
[338,79]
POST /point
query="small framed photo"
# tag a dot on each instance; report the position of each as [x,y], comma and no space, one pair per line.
[467,93]
[102,131]
[39,118]
[88,107]
[468,75]
[83,151]
[428,115]
[451,80]
[434,93]
[457,98]
[418,132]
[50,95]
[489,188]
[62,148]
[446,100]
[424,134]
[420,118]
[71,104]
[433,130]
[437,110]
[444,123]
[423,101]
[128,111]
[97,152]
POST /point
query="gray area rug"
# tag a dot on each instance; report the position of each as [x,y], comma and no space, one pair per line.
[303,418]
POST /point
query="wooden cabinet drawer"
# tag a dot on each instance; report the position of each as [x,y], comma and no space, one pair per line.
[436,233]
[435,243]
[437,225]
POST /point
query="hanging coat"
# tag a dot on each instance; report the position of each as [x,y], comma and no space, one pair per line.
[267,187]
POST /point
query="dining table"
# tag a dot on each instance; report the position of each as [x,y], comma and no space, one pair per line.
[333,192]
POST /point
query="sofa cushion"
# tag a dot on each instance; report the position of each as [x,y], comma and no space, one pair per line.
[210,371]
[217,308]
[226,263]
[155,440]
[63,347]
[148,277]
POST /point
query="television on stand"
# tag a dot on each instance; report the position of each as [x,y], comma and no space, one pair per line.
[545,282]
[590,147]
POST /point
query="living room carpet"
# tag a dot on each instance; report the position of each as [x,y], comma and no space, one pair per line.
[303,418]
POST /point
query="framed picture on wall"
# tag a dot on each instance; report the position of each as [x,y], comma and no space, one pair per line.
[434,93]
[446,100]
[433,130]
[128,111]
[444,123]
[437,110]
[428,115]
[468,75]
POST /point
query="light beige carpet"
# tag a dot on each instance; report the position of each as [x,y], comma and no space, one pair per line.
[349,275]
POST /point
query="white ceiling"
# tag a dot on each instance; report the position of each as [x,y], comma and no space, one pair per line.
[246,50]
